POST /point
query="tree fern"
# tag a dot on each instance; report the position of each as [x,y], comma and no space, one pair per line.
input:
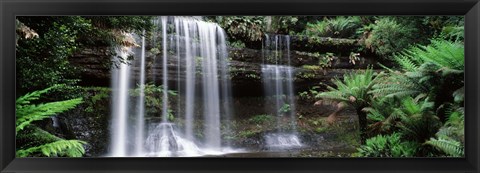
[398,85]
[380,115]
[416,119]
[353,88]
[448,56]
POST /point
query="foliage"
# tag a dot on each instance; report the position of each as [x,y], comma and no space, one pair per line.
[353,89]
[310,94]
[324,60]
[416,120]
[260,119]
[447,56]
[69,148]
[387,146]
[242,27]
[401,99]
[455,33]
[399,85]
[27,112]
[154,99]
[280,24]
[236,44]
[387,36]
[353,58]
[426,70]
[285,108]
[450,139]
[446,27]
[44,60]
[341,27]
[380,116]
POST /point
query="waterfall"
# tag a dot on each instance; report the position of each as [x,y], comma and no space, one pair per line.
[194,53]
[277,75]
[120,85]
[139,139]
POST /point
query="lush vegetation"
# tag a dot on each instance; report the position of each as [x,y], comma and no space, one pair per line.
[34,141]
[44,47]
[411,107]
[45,44]
[413,110]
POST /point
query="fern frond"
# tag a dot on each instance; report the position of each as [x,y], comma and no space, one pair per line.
[35,95]
[30,113]
[354,88]
[70,148]
[450,147]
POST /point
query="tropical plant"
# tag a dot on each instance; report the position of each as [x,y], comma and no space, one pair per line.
[433,71]
[386,36]
[448,56]
[416,119]
[242,27]
[387,146]
[425,70]
[341,27]
[280,24]
[354,90]
[379,116]
[455,33]
[44,143]
[450,139]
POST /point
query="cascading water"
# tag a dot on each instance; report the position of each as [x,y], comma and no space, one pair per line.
[120,85]
[277,77]
[194,52]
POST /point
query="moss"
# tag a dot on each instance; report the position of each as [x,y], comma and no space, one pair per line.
[311,67]
[248,133]
[260,119]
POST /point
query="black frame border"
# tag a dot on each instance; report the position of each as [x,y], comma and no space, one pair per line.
[10,8]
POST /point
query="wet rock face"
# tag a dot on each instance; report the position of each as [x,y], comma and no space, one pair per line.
[300,58]
[247,88]
[88,122]
[245,63]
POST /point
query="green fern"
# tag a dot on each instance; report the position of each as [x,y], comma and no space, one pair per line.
[450,147]
[69,148]
[353,89]
[451,137]
[380,115]
[26,114]
[416,119]
[340,26]
[387,146]
[38,141]
[399,85]
[447,56]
